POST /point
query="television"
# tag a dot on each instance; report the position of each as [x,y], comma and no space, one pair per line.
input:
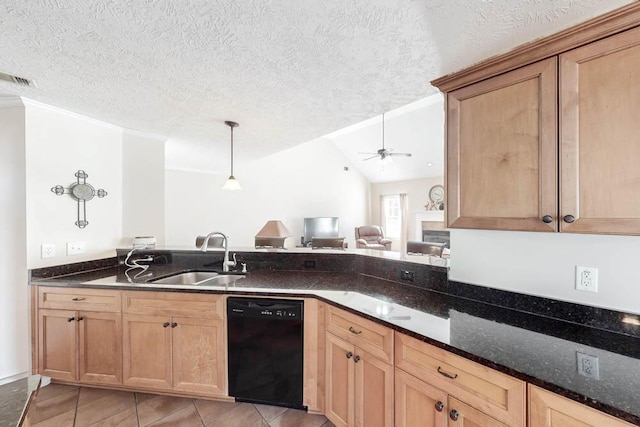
[319,227]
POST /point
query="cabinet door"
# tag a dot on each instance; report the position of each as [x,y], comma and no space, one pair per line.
[600,99]
[146,351]
[547,409]
[502,151]
[58,344]
[374,391]
[100,347]
[339,381]
[463,415]
[199,363]
[417,403]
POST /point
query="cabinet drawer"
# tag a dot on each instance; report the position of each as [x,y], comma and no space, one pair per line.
[485,389]
[174,304]
[106,300]
[369,336]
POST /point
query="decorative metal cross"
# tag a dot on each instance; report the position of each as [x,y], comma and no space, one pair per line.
[82,192]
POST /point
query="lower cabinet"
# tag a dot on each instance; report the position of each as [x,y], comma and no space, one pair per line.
[475,394]
[80,346]
[174,342]
[420,404]
[358,386]
[547,409]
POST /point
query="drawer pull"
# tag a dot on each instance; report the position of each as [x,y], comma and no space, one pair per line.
[80,318]
[356,359]
[78,299]
[166,324]
[349,355]
[569,218]
[71,319]
[439,406]
[547,219]
[174,324]
[454,415]
[441,372]
[353,331]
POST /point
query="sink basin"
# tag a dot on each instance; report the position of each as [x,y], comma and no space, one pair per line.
[188,278]
[193,278]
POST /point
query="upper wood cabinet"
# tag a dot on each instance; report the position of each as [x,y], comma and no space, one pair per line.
[502,150]
[600,142]
[549,145]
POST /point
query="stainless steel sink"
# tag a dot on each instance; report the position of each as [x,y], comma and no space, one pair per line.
[194,278]
[188,278]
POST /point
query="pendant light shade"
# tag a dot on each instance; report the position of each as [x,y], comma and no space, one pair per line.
[232,183]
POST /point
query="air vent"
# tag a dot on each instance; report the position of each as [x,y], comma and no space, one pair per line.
[17,80]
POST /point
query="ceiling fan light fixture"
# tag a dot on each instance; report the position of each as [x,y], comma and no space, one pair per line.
[232,183]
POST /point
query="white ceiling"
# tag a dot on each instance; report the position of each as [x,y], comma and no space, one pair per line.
[287,71]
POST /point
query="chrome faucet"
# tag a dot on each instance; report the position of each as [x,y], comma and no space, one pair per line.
[225,240]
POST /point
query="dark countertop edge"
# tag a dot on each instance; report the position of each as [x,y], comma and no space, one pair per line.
[580,398]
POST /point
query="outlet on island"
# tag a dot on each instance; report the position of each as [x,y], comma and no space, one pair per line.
[309,264]
[407,275]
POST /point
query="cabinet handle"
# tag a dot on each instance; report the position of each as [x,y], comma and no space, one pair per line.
[356,359]
[349,354]
[353,331]
[71,319]
[547,219]
[166,324]
[174,324]
[80,318]
[439,406]
[569,218]
[78,299]
[441,372]
[454,415]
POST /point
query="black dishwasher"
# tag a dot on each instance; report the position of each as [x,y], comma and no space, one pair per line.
[265,350]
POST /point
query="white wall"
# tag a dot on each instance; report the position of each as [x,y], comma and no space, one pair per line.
[14,313]
[304,181]
[143,159]
[543,264]
[58,143]
[417,191]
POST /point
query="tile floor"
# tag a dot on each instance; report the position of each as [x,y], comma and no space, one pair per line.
[62,405]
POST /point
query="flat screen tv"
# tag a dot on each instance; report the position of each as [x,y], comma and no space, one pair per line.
[319,227]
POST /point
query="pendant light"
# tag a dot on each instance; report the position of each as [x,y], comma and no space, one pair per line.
[232,183]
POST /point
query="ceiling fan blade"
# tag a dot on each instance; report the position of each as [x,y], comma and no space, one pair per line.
[372,157]
[368,153]
[399,154]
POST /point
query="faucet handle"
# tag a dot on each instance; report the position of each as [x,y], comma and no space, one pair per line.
[244,267]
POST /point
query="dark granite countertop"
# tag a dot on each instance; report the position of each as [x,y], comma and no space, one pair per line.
[538,349]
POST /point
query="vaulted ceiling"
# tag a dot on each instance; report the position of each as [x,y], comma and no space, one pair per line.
[287,71]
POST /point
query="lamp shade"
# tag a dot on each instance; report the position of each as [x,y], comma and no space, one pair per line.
[274,229]
[231,184]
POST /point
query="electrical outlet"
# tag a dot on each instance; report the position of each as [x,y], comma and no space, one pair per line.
[586,279]
[47,250]
[587,365]
[309,264]
[407,275]
[75,248]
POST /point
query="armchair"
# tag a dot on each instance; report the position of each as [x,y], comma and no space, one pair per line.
[372,237]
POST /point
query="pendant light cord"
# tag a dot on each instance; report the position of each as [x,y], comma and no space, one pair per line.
[231,150]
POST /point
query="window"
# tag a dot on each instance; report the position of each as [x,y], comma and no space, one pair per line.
[392,216]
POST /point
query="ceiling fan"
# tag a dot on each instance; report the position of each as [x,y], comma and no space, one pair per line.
[384,154]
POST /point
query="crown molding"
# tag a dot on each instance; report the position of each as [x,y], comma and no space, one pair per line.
[146,135]
[11,101]
[31,103]
[606,25]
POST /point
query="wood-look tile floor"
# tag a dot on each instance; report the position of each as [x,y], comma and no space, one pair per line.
[58,405]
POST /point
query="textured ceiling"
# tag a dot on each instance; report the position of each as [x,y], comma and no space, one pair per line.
[287,71]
